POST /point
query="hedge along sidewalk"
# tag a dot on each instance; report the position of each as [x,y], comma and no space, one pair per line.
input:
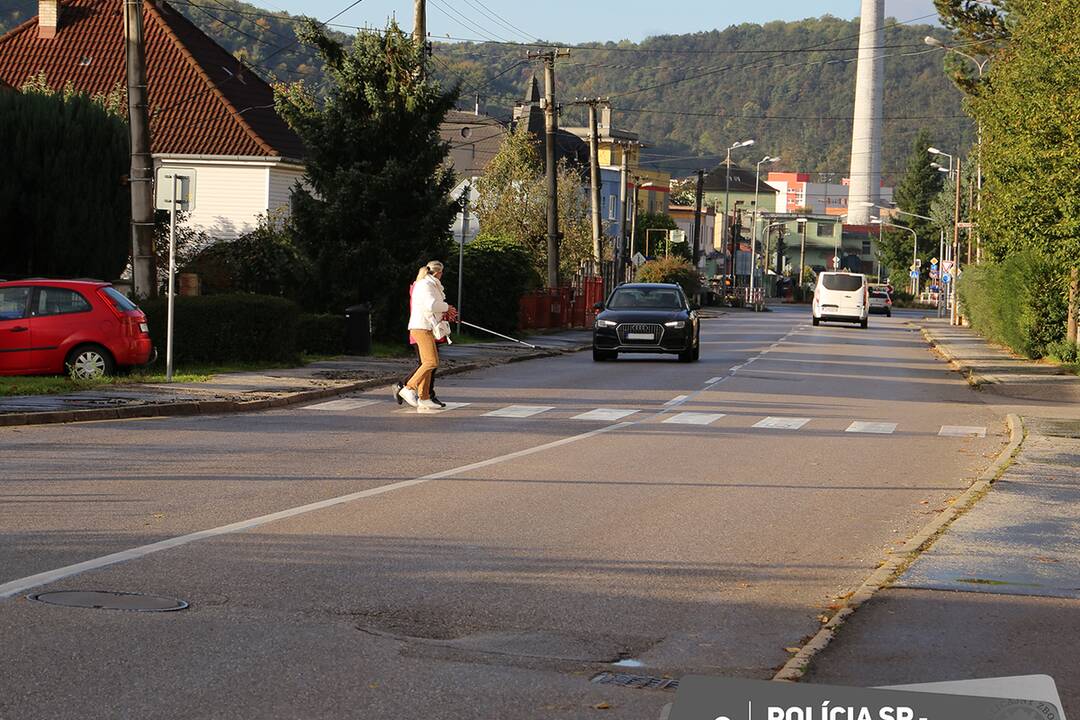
[994,369]
[249,391]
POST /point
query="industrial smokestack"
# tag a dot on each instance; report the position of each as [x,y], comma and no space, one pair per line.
[865,175]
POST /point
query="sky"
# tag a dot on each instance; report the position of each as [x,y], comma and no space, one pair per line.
[575,21]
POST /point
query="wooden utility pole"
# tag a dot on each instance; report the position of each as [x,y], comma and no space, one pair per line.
[594,176]
[141,174]
[420,23]
[551,127]
[697,216]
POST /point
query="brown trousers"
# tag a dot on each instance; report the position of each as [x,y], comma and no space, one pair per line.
[429,362]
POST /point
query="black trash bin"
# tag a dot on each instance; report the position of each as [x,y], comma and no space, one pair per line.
[358,329]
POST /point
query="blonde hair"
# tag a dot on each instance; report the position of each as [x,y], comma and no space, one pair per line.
[430,269]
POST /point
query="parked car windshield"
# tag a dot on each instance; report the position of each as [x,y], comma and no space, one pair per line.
[842,282]
[658,298]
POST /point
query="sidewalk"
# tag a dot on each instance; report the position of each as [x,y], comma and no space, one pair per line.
[238,392]
[998,593]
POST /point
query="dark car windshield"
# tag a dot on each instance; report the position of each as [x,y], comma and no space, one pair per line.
[652,298]
[841,282]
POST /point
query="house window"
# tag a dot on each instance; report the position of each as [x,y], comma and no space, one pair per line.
[824,229]
[611,202]
[865,247]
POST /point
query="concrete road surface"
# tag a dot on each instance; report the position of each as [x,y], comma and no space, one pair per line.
[643,516]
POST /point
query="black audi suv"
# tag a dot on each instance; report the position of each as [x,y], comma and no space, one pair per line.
[646,318]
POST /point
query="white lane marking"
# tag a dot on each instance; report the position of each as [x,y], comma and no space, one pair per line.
[519,411]
[881,428]
[712,380]
[676,400]
[735,368]
[604,414]
[962,431]
[751,360]
[15,587]
[781,423]
[345,404]
[694,418]
[449,406]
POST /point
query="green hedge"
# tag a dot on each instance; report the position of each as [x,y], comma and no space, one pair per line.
[498,271]
[321,334]
[227,328]
[671,270]
[1019,302]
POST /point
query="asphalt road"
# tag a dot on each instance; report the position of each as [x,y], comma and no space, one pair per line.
[479,566]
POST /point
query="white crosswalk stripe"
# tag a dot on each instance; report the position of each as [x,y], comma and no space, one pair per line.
[343,404]
[881,428]
[519,411]
[449,406]
[694,418]
[781,423]
[604,414]
[962,431]
[675,400]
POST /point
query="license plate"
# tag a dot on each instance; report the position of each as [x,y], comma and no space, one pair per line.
[640,336]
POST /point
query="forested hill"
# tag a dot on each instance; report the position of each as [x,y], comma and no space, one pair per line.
[788,85]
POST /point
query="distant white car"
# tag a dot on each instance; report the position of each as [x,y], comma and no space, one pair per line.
[841,296]
[880,302]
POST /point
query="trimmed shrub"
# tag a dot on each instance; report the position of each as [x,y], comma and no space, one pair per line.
[1019,302]
[321,334]
[671,270]
[227,328]
[498,271]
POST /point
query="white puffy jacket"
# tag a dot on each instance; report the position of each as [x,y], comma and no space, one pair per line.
[428,304]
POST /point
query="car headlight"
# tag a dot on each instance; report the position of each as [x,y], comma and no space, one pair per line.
[604,323]
[677,324]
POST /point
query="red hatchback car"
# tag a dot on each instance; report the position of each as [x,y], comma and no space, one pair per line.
[84,327]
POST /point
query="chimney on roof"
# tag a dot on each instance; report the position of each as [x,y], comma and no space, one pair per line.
[48,18]
[605,120]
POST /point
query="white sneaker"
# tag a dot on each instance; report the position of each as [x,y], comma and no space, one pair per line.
[408,395]
[428,406]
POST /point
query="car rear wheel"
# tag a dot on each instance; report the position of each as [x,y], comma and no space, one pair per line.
[88,362]
[863,323]
[817,321]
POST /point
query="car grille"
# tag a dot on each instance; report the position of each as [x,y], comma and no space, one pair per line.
[626,329]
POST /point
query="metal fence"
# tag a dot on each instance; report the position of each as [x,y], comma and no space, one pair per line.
[572,305]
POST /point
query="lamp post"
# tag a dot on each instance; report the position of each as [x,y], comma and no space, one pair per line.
[802,248]
[914,252]
[753,232]
[727,196]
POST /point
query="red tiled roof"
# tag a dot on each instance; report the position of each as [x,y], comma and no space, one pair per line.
[202,100]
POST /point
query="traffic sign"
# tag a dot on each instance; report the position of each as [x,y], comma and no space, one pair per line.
[945,278]
[933,261]
[638,259]
[948,265]
[914,274]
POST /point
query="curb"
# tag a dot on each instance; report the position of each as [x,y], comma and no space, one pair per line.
[796,666]
[976,379]
[217,407]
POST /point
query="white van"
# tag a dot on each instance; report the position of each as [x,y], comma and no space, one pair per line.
[841,296]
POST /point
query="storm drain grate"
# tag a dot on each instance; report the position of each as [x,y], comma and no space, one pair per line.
[640,682]
[109,600]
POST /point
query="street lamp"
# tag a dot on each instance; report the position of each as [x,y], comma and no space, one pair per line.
[802,248]
[727,195]
[865,203]
[753,232]
[914,252]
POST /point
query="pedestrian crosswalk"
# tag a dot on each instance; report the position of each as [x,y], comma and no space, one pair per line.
[668,413]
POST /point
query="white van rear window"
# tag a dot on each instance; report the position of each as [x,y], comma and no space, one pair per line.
[841,282]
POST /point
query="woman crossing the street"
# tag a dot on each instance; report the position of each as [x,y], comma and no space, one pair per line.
[428,316]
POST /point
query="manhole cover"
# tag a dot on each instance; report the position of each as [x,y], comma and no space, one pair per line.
[105,600]
[641,682]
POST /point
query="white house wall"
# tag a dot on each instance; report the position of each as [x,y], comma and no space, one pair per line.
[229,196]
[282,180]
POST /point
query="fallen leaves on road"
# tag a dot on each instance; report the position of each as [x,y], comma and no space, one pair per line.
[792,649]
[602,706]
[823,619]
